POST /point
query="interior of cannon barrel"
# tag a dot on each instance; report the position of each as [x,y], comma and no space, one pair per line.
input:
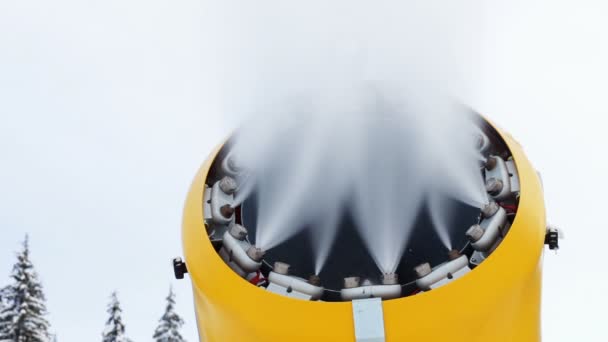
[349,256]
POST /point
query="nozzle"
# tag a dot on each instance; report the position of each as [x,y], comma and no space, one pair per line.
[227,211]
[228,185]
[256,254]
[390,279]
[351,282]
[423,270]
[494,186]
[475,233]
[314,280]
[281,268]
[491,163]
[238,232]
[489,209]
[453,254]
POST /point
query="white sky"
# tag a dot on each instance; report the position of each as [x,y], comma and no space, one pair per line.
[103,123]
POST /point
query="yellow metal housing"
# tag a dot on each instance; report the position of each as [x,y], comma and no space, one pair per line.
[498,301]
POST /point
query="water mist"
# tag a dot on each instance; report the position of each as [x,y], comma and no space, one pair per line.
[355,111]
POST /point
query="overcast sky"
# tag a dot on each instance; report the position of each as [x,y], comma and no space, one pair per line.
[106,114]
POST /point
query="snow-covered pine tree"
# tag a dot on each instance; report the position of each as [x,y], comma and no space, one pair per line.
[170,323]
[2,306]
[115,328]
[22,319]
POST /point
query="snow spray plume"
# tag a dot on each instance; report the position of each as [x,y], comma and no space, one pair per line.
[348,104]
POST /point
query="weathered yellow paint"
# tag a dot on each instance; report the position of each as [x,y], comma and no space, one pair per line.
[499,301]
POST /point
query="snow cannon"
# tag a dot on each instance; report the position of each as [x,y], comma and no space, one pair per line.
[487,288]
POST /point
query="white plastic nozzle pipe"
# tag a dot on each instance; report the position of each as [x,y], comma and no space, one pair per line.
[294,287]
[240,255]
[485,235]
[220,205]
[444,273]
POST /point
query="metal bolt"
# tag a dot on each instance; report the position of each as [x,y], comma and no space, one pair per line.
[491,163]
[227,211]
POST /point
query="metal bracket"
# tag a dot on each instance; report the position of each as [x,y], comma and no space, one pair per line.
[369,320]
[552,237]
[179,268]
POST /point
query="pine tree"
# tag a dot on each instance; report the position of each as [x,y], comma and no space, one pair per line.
[2,308]
[115,328]
[22,319]
[170,323]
